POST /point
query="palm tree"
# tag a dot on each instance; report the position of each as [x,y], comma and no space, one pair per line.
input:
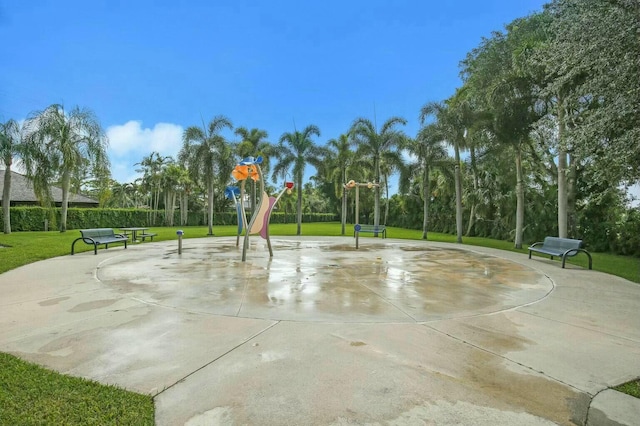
[207,155]
[342,157]
[61,145]
[453,122]
[173,178]
[296,150]
[152,168]
[375,145]
[10,146]
[253,144]
[429,153]
[122,195]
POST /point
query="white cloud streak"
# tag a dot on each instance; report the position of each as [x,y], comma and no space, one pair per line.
[130,142]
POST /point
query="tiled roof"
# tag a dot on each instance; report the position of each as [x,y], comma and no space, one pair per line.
[22,191]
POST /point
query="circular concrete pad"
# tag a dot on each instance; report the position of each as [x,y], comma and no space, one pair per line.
[325,280]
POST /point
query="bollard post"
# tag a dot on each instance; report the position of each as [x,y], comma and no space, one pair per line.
[179,233]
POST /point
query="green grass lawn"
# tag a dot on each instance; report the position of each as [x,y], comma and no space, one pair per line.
[30,394]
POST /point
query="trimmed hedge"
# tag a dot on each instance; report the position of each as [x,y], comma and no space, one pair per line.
[33,218]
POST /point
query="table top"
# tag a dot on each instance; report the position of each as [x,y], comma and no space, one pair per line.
[133,228]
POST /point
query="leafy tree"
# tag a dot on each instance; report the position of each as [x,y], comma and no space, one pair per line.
[173,181]
[295,150]
[373,145]
[597,69]
[11,143]
[341,157]
[152,168]
[493,73]
[452,118]
[208,158]
[429,153]
[123,195]
[61,146]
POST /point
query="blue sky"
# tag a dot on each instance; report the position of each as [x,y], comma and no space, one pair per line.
[149,69]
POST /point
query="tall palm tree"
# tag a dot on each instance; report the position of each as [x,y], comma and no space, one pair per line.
[429,153]
[10,147]
[61,146]
[254,144]
[152,168]
[296,150]
[391,162]
[453,119]
[342,157]
[173,179]
[206,154]
[373,144]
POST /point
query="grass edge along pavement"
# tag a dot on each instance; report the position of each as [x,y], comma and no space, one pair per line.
[30,394]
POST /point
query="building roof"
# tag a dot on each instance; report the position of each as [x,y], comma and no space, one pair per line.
[22,191]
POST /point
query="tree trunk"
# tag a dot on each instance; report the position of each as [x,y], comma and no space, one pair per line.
[343,220]
[571,197]
[426,195]
[476,185]
[519,199]
[458,183]
[210,208]
[299,204]
[6,199]
[169,206]
[184,209]
[386,204]
[562,175]
[66,184]
[376,211]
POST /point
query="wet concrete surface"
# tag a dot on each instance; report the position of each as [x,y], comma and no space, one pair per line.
[397,332]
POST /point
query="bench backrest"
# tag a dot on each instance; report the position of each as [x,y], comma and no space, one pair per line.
[561,244]
[97,232]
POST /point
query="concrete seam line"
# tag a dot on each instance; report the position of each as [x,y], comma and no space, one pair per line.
[508,359]
[216,359]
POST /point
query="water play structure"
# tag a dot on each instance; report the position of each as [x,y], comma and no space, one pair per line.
[259,223]
[353,184]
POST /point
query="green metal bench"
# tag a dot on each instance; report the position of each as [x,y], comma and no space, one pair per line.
[99,236]
[380,229]
[561,247]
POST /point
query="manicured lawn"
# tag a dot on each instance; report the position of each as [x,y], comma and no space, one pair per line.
[32,395]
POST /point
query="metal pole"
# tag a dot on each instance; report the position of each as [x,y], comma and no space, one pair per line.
[179,233]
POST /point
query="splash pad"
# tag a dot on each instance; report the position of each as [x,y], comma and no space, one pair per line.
[325,279]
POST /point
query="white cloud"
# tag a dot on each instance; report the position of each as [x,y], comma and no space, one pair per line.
[130,142]
[131,137]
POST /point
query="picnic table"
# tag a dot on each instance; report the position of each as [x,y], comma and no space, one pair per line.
[134,232]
